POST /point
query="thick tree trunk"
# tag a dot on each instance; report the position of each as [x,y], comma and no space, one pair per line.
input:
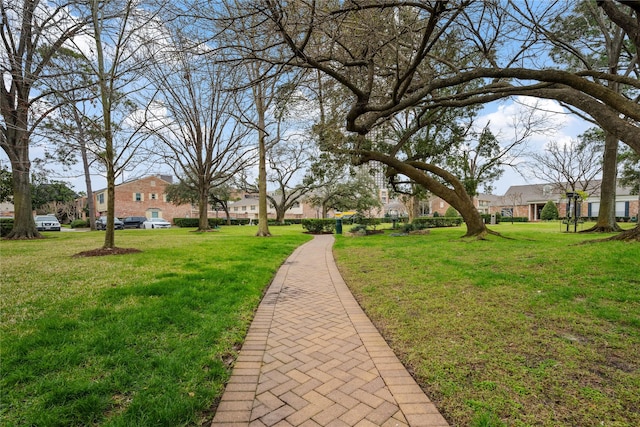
[280,213]
[24,227]
[607,215]
[203,204]
[16,144]
[413,205]
[456,196]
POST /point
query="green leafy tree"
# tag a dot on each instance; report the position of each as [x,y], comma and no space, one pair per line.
[6,185]
[549,211]
[186,191]
[630,170]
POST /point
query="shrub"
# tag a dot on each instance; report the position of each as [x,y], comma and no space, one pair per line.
[434,222]
[6,225]
[369,222]
[515,219]
[194,222]
[319,225]
[79,223]
[549,211]
[451,212]
[359,229]
[414,226]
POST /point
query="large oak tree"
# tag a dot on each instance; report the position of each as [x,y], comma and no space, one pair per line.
[394,55]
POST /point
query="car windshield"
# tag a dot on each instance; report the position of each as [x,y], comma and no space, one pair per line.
[157,220]
[46,218]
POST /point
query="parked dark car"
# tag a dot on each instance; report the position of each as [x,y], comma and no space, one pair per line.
[101,223]
[134,221]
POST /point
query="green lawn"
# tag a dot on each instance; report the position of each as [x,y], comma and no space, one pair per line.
[534,331]
[531,331]
[130,340]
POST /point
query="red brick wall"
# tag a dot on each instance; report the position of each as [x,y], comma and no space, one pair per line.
[153,199]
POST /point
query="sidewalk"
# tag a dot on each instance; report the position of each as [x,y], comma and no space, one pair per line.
[313,358]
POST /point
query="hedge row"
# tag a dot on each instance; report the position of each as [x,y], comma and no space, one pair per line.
[515,219]
[317,226]
[6,225]
[216,222]
[79,223]
[194,222]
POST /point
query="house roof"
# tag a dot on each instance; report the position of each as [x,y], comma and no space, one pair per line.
[166,178]
[522,194]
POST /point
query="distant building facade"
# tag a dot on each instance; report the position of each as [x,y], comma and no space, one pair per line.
[528,201]
[142,197]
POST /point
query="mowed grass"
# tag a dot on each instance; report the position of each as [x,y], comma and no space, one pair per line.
[142,339]
[535,331]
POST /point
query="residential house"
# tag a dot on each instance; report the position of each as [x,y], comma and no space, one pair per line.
[247,207]
[528,201]
[143,197]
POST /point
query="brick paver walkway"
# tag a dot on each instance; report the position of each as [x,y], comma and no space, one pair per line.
[313,358]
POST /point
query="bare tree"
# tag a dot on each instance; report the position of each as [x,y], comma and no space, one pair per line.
[197,120]
[570,167]
[32,33]
[71,130]
[123,35]
[288,161]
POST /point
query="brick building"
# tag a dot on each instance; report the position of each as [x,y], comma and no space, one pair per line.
[528,201]
[143,197]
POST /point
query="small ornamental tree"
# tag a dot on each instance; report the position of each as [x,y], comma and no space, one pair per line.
[451,212]
[549,211]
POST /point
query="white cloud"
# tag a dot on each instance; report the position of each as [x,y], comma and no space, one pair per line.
[555,124]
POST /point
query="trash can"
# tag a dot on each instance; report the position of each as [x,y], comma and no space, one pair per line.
[338,225]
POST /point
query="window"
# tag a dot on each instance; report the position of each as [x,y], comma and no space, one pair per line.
[622,209]
[154,214]
[101,198]
[137,197]
[153,183]
[442,204]
[154,196]
[235,209]
[253,207]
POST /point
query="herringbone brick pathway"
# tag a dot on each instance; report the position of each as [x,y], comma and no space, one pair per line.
[313,358]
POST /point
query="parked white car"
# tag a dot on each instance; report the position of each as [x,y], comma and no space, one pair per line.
[47,223]
[156,223]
